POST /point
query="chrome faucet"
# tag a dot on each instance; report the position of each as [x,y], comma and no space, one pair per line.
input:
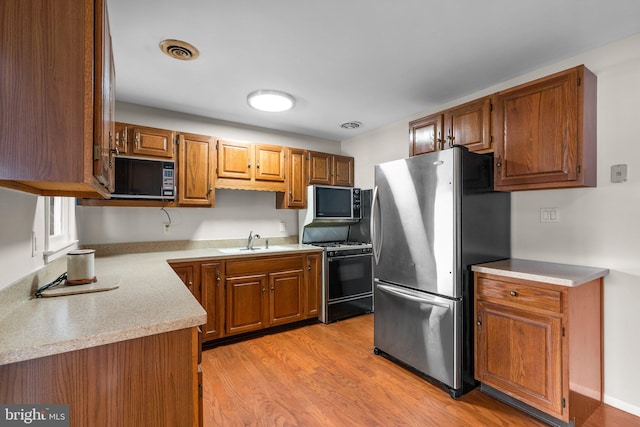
[251,239]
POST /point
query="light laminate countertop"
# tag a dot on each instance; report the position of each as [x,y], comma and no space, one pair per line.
[539,271]
[150,300]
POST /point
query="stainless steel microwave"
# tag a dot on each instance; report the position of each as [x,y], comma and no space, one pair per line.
[141,178]
[334,204]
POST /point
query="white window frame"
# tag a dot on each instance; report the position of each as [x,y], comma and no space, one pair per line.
[57,245]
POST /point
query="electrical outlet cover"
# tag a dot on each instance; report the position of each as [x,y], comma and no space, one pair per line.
[618,173]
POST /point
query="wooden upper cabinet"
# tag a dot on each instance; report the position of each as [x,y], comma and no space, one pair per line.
[57,85]
[546,133]
[234,160]
[425,134]
[121,141]
[329,169]
[270,164]
[319,168]
[148,141]
[196,170]
[251,166]
[469,125]
[343,171]
[296,196]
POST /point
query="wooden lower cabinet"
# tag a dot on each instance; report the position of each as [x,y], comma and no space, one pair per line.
[540,344]
[251,293]
[148,381]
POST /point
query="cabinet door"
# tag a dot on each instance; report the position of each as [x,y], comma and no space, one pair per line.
[212,298]
[343,171]
[234,160]
[270,163]
[246,303]
[296,194]
[121,137]
[469,125]
[540,135]
[313,282]
[187,273]
[520,353]
[425,135]
[319,168]
[286,302]
[152,142]
[196,170]
[104,131]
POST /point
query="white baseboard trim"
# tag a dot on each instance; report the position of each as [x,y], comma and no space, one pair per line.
[622,405]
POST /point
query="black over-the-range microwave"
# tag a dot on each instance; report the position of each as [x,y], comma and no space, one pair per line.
[140,178]
[334,203]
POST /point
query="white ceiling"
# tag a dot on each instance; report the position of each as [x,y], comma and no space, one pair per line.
[373,61]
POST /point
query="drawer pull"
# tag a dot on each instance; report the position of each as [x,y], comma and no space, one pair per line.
[513,293]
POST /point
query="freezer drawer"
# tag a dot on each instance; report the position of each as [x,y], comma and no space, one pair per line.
[420,330]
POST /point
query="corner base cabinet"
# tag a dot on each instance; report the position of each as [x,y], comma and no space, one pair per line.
[539,345]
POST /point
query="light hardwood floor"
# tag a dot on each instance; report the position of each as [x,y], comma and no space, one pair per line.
[327,375]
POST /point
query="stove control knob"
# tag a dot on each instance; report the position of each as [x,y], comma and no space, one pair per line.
[330,253]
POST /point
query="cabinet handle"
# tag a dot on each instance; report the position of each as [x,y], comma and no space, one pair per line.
[273,288]
[440,142]
[309,266]
[137,139]
[209,192]
[513,293]
[258,165]
[115,151]
[498,162]
[190,283]
[479,321]
[249,164]
[263,289]
[290,196]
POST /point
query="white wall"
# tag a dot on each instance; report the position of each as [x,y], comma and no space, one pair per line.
[21,214]
[598,226]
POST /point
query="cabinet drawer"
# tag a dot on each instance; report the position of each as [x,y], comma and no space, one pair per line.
[519,295]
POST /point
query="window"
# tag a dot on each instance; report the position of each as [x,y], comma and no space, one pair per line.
[60,233]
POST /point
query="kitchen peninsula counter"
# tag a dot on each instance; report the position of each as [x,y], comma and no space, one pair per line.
[150,299]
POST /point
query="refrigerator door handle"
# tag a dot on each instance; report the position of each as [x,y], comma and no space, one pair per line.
[376,241]
[411,296]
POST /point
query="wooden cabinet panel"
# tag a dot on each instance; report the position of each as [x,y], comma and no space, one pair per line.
[196,175]
[246,303]
[234,160]
[343,171]
[546,133]
[212,298]
[121,143]
[520,295]
[425,134]
[187,273]
[286,303]
[469,125]
[270,162]
[319,168]
[147,141]
[56,100]
[520,354]
[313,282]
[148,381]
[296,178]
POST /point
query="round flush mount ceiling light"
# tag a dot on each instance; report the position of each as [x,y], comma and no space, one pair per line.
[351,125]
[179,49]
[271,101]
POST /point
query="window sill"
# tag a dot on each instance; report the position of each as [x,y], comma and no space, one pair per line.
[58,252]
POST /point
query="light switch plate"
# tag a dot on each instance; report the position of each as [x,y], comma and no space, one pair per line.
[619,173]
[549,215]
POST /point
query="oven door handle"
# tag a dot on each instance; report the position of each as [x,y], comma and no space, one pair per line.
[336,258]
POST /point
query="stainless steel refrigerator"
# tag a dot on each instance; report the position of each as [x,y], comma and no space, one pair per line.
[433,216]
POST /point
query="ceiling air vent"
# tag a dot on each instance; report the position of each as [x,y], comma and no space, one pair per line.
[179,50]
[351,125]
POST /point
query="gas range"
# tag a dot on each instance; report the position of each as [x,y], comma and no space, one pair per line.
[344,248]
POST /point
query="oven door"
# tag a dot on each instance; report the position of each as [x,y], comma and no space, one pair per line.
[348,286]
